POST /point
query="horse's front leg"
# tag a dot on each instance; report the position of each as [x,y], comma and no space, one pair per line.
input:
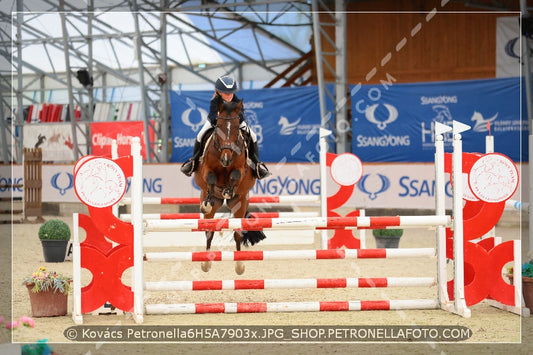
[238,206]
[217,203]
[207,204]
[206,265]
[234,178]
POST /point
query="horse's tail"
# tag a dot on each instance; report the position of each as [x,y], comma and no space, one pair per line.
[251,237]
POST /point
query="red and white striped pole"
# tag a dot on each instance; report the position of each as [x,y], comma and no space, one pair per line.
[196,200]
[212,285]
[255,224]
[127,217]
[266,307]
[312,254]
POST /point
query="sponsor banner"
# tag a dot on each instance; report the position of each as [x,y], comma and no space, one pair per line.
[508,47]
[103,134]
[389,185]
[285,120]
[395,122]
[55,141]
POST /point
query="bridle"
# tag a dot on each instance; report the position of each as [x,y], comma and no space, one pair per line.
[234,146]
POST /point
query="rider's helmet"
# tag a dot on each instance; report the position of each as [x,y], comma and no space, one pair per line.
[226,84]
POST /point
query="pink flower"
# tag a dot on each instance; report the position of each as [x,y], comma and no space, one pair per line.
[27,321]
[12,325]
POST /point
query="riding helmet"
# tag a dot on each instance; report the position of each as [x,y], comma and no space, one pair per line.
[226,84]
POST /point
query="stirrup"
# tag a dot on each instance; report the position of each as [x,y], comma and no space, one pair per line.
[262,171]
[188,167]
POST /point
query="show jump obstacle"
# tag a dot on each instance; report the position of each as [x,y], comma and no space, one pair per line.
[100,183]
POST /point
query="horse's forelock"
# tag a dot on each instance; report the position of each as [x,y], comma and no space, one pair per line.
[229,107]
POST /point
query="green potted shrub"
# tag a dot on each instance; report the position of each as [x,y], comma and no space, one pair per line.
[54,235]
[387,238]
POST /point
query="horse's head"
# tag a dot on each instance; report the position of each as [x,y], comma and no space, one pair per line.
[227,138]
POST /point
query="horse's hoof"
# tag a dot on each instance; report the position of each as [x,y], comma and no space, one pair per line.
[227,195]
[239,267]
[206,266]
[205,207]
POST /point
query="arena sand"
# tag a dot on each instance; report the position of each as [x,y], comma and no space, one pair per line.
[493,330]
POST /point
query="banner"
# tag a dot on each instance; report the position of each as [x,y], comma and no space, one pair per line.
[103,134]
[388,185]
[285,120]
[508,38]
[395,122]
[55,140]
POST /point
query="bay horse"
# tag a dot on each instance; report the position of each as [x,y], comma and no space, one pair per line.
[223,175]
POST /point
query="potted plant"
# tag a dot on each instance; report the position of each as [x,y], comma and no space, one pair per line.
[527,282]
[387,238]
[54,235]
[48,292]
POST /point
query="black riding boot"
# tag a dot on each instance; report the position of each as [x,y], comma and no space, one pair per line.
[260,169]
[190,165]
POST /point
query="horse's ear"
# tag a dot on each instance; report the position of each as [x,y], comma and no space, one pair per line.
[240,104]
[220,105]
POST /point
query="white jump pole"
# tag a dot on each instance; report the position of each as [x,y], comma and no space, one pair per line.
[77,316]
[137,222]
[440,210]
[323,183]
[114,155]
[458,247]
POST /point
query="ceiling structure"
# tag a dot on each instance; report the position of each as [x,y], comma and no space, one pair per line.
[142,47]
[81,52]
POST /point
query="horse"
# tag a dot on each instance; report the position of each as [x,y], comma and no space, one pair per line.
[223,175]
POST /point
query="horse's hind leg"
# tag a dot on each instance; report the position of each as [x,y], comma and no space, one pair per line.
[206,265]
[239,265]
[234,178]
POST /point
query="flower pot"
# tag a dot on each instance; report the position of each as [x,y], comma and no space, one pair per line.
[387,242]
[527,291]
[54,250]
[47,303]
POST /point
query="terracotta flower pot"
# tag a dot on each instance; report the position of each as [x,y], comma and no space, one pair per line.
[527,290]
[48,303]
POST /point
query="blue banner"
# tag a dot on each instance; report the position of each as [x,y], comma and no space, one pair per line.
[285,120]
[395,122]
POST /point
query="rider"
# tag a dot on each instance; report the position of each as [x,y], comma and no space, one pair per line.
[225,89]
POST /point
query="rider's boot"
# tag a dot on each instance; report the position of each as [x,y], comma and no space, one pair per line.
[190,165]
[259,168]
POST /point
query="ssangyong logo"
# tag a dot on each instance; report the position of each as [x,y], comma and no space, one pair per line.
[62,183]
[186,116]
[381,185]
[370,114]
